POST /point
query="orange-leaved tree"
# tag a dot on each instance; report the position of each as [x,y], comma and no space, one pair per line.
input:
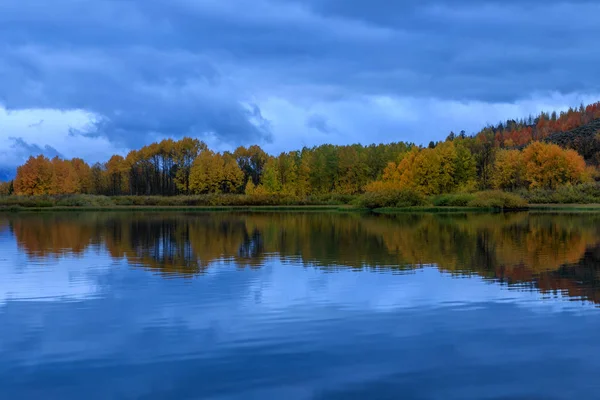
[549,166]
[64,177]
[34,177]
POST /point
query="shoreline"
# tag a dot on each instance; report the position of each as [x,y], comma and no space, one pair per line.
[305,208]
[18,209]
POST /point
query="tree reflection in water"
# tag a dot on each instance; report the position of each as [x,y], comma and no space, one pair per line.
[550,252]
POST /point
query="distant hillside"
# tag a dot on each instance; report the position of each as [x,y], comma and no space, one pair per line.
[519,133]
[584,139]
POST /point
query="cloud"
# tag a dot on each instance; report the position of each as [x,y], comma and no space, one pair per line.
[21,146]
[36,124]
[143,70]
[133,104]
[383,119]
[319,122]
[21,135]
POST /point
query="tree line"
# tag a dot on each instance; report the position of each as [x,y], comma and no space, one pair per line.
[508,156]
[513,133]
[188,166]
[452,167]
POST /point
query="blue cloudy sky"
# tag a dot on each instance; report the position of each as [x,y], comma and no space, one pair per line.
[94,77]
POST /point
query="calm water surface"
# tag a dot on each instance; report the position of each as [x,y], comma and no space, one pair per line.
[299,306]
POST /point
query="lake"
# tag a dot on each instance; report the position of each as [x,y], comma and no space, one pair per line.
[119,305]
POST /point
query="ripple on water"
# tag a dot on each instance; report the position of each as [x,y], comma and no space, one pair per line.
[272,305]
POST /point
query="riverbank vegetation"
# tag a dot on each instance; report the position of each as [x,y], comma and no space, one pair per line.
[547,159]
[206,200]
[385,199]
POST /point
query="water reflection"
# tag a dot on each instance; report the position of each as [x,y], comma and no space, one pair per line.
[298,306]
[549,252]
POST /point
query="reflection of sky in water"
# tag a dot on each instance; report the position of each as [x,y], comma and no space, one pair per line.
[49,278]
[280,330]
[279,284]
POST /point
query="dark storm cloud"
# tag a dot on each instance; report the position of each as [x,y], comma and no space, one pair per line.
[21,147]
[156,67]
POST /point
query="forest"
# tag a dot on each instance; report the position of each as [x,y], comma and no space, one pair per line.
[534,158]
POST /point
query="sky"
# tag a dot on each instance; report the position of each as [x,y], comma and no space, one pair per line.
[91,78]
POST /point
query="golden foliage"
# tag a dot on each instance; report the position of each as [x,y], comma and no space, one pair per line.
[34,177]
[549,166]
[430,171]
[5,188]
[214,173]
[509,170]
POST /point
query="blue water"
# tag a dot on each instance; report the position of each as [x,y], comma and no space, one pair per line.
[87,322]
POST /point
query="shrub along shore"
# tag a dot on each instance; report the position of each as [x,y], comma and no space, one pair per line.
[584,197]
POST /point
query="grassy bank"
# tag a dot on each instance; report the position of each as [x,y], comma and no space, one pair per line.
[562,208]
[395,199]
[588,193]
[209,201]
[181,209]
[388,201]
[434,209]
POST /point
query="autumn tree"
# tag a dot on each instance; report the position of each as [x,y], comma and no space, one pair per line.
[233,176]
[185,151]
[98,179]
[251,161]
[83,173]
[509,170]
[465,167]
[353,170]
[303,186]
[34,177]
[250,188]
[288,172]
[271,177]
[215,173]
[324,169]
[206,173]
[441,169]
[117,172]
[549,166]
[64,177]
[6,188]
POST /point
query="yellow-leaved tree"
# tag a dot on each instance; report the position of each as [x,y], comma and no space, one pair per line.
[441,169]
[233,176]
[206,174]
[271,177]
[549,166]
[509,170]
[303,187]
[215,173]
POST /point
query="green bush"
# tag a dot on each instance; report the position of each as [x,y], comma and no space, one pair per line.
[453,200]
[26,201]
[579,194]
[392,198]
[497,199]
[72,201]
[220,199]
[331,199]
